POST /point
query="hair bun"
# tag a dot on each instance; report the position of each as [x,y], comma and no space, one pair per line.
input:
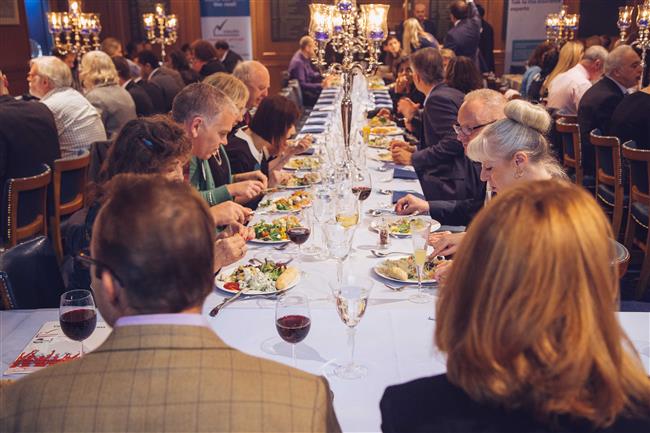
[527,114]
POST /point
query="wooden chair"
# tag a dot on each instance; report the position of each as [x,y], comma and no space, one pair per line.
[68,193]
[609,177]
[26,206]
[569,134]
[638,216]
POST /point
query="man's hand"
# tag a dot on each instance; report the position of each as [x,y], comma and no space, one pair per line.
[278,177]
[237,229]
[228,251]
[407,107]
[245,190]
[252,175]
[442,271]
[401,155]
[410,204]
[385,112]
[230,212]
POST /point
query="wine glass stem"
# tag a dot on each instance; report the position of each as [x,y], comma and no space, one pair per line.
[339,271]
[351,341]
[420,279]
[81,352]
[293,355]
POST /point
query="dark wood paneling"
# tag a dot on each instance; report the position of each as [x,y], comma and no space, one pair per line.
[14,49]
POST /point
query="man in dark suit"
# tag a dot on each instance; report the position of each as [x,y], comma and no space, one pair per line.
[420,13]
[203,59]
[152,72]
[445,173]
[143,105]
[464,36]
[622,71]
[486,43]
[228,57]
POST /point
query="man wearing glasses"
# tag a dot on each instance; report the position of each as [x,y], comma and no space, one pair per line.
[480,108]
[162,368]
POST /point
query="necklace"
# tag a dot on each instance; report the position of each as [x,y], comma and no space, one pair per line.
[217,157]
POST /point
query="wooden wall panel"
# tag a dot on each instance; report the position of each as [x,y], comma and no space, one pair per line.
[14,46]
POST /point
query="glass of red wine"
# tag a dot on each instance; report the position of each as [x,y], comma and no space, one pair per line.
[292,320]
[361,184]
[77,315]
[299,235]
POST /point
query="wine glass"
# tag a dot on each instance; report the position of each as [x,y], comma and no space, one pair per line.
[419,236]
[347,209]
[361,183]
[77,315]
[292,320]
[351,296]
[339,243]
[323,209]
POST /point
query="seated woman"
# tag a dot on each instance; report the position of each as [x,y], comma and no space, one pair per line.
[527,323]
[264,144]
[403,86]
[510,151]
[148,145]
[242,187]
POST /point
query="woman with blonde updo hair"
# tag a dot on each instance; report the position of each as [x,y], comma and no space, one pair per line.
[528,326]
[100,82]
[414,37]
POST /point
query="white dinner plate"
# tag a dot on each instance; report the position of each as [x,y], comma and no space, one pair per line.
[435,225]
[411,281]
[220,284]
[262,242]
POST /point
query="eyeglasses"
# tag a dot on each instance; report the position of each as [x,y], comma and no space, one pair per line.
[468,130]
[84,259]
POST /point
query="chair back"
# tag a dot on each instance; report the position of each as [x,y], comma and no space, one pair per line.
[26,206]
[609,175]
[24,288]
[569,136]
[68,193]
[98,152]
[297,98]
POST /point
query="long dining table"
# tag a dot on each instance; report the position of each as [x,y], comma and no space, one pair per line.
[394,339]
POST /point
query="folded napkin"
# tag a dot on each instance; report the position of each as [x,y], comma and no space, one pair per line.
[312,129]
[383,105]
[309,151]
[318,114]
[316,121]
[401,173]
[399,194]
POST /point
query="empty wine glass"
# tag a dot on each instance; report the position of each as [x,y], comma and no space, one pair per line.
[323,210]
[351,296]
[339,244]
[292,320]
[419,236]
[77,315]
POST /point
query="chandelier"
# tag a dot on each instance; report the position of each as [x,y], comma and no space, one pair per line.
[561,27]
[354,33]
[74,31]
[624,23]
[161,29]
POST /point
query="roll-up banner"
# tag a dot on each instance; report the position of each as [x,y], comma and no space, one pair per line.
[526,28]
[229,20]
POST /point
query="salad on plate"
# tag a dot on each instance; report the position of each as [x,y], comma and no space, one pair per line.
[259,278]
[275,231]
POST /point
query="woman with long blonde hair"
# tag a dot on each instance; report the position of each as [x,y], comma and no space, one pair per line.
[100,82]
[527,322]
[414,37]
[570,55]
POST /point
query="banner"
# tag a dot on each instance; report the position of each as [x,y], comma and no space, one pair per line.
[526,28]
[229,20]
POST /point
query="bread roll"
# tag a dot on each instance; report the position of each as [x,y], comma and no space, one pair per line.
[286,278]
[397,273]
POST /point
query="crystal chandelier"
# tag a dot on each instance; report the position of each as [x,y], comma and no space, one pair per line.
[74,31]
[161,29]
[642,41]
[561,27]
[356,34]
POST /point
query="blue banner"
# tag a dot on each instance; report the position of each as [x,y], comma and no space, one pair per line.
[225,8]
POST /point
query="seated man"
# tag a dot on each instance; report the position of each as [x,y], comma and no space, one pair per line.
[566,90]
[77,122]
[226,56]
[204,58]
[301,69]
[162,368]
[167,80]
[256,77]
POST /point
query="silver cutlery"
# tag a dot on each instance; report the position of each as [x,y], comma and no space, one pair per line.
[225,302]
[282,247]
[378,253]
[378,212]
[400,288]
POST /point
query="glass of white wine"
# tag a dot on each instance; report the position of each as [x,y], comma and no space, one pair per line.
[351,297]
[347,210]
[419,237]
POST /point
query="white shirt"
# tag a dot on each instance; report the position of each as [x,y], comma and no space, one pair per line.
[77,121]
[224,56]
[567,89]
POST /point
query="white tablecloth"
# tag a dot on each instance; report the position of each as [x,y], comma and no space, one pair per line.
[394,339]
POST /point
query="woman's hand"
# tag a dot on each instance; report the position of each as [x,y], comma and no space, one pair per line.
[442,271]
[297,147]
[245,190]
[252,175]
[228,251]
[278,177]
[445,243]
[410,204]
[237,229]
[230,212]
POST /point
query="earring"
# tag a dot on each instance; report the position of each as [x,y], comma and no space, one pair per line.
[519,173]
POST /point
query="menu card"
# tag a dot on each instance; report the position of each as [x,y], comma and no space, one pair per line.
[50,346]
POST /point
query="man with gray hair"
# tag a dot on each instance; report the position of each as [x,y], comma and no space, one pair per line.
[622,72]
[301,69]
[480,108]
[257,79]
[567,88]
[77,122]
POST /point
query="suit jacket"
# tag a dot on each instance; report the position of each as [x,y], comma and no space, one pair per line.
[169,86]
[231,60]
[486,47]
[155,93]
[143,105]
[595,111]
[464,37]
[212,67]
[114,105]
[167,378]
[433,404]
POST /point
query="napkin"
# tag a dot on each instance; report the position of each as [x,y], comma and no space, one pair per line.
[401,173]
[312,129]
[399,194]
[318,114]
[316,121]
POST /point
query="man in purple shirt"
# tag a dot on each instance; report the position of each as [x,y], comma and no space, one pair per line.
[301,69]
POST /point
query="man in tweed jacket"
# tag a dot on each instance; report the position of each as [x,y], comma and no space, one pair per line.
[162,368]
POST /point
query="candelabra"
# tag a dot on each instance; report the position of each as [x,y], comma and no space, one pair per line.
[74,31]
[642,42]
[561,27]
[356,35]
[161,29]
